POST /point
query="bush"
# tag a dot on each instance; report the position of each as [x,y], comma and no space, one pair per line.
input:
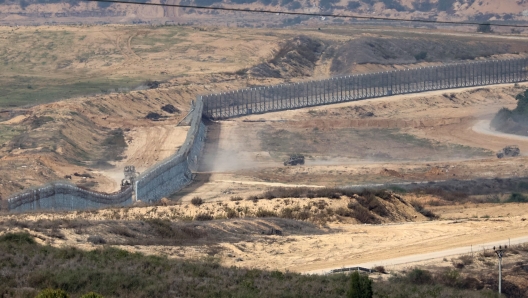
[425,212]
[203,217]
[236,199]
[343,212]
[20,238]
[96,239]
[360,286]
[517,198]
[197,201]
[265,213]
[419,276]
[49,293]
[162,227]
[421,56]
[231,213]
[380,269]
[363,215]
[353,5]
[253,198]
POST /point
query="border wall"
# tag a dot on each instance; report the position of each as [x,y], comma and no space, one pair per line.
[167,177]
[363,86]
[64,196]
[175,172]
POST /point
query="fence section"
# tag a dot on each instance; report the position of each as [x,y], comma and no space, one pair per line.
[363,86]
[175,172]
[63,196]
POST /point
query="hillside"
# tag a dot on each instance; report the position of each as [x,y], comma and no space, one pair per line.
[54,11]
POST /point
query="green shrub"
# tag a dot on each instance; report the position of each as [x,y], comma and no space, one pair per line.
[419,276]
[360,286]
[18,238]
[49,293]
[517,198]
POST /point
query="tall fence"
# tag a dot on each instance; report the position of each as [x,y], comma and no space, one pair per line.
[162,180]
[64,196]
[175,172]
[363,86]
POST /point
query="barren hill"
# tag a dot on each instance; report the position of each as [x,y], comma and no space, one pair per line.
[53,11]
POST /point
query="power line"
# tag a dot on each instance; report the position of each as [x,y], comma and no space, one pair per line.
[308,14]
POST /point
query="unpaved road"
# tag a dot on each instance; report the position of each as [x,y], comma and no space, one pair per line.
[432,255]
[483,127]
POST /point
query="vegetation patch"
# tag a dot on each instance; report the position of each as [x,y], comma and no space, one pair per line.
[41,271]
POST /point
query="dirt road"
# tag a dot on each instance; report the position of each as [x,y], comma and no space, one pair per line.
[146,147]
[483,127]
[407,260]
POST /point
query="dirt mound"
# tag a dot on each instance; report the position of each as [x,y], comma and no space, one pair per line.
[406,51]
[296,57]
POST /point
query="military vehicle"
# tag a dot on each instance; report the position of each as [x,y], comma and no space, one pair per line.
[295,159]
[130,176]
[512,151]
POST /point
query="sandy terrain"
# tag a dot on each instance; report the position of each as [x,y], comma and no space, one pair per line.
[333,246]
[146,147]
[446,123]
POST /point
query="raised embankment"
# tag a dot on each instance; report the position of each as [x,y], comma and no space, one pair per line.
[175,172]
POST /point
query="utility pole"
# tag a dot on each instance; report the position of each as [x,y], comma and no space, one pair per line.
[500,252]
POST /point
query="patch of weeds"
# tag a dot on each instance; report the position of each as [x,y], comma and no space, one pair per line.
[162,227]
[265,213]
[425,212]
[121,231]
[203,217]
[197,201]
[96,239]
[517,198]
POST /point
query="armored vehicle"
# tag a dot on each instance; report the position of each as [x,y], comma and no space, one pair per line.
[130,176]
[296,159]
[509,151]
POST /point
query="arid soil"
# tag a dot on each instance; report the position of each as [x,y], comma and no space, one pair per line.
[303,246]
[410,138]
